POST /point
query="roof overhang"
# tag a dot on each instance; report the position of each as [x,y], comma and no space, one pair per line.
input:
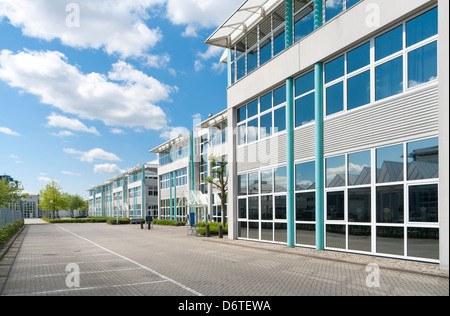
[214,120]
[246,16]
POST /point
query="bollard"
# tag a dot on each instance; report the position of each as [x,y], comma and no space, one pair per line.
[142,225]
[207,230]
[149,225]
[220,231]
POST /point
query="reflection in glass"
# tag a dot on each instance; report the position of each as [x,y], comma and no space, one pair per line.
[242,130]
[266,181]
[422,65]
[359,238]
[304,24]
[335,69]
[242,114]
[266,102]
[242,208]
[305,176]
[265,51]
[390,206]
[389,43]
[266,125]
[242,230]
[423,159]
[333,8]
[390,240]
[281,179]
[252,59]
[266,207]
[242,184]
[304,110]
[252,130]
[335,98]
[305,206]
[253,208]
[358,58]
[252,108]
[281,232]
[280,207]
[336,236]
[267,231]
[304,84]
[335,206]
[253,230]
[389,79]
[423,242]
[351,3]
[335,171]
[359,168]
[279,43]
[279,96]
[423,203]
[253,183]
[241,68]
[422,27]
[389,164]
[306,234]
[359,205]
[358,90]
[279,120]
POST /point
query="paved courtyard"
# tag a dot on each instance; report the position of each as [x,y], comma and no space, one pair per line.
[100,259]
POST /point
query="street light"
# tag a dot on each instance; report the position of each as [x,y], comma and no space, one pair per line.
[51,210]
[12,185]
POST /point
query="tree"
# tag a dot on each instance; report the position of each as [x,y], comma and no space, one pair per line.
[219,180]
[75,202]
[5,193]
[52,199]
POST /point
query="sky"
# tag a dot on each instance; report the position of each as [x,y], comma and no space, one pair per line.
[88,87]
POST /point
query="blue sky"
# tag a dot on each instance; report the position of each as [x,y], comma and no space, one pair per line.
[88,87]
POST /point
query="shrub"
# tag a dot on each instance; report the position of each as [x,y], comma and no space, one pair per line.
[213,228]
[168,222]
[6,232]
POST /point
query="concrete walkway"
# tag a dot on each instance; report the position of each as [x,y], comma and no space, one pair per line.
[125,260]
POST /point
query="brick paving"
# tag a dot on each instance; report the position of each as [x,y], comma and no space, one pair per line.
[166,261]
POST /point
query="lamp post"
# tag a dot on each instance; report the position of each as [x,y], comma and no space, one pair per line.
[12,185]
[51,208]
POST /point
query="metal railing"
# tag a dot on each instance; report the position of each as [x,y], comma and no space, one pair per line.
[8,216]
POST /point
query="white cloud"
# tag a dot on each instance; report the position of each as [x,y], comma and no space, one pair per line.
[126,97]
[8,131]
[211,53]
[45,179]
[63,134]
[117,131]
[92,155]
[69,173]
[116,26]
[108,169]
[55,120]
[199,14]
[173,132]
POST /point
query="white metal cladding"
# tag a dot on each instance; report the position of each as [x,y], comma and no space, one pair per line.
[305,143]
[403,118]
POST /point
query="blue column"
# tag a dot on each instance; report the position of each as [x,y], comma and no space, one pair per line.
[191,176]
[229,66]
[319,112]
[144,194]
[290,134]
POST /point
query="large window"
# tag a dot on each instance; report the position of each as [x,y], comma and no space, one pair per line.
[304,99]
[404,57]
[262,117]
[383,200]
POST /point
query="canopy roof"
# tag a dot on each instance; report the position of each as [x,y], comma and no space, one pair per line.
[249,13]
[195,199]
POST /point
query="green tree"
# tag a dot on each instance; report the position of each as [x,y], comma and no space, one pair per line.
[76,202]
[52,199]
[5,193]
[219,180]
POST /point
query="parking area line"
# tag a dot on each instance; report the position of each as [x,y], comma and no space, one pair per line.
[135,263]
